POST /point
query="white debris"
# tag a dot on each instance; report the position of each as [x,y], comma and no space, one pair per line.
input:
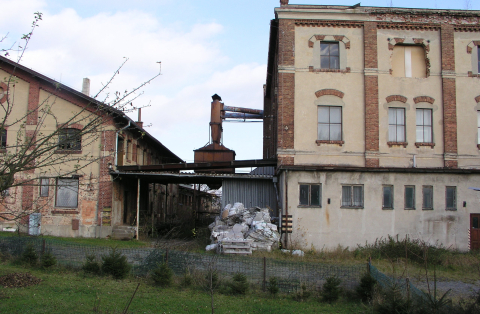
[248,225]
[211,247]
[294,252]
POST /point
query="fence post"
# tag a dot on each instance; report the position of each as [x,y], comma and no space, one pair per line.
[166,256]
[264,274]
[43,246]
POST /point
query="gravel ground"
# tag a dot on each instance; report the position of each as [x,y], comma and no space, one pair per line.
[459,289]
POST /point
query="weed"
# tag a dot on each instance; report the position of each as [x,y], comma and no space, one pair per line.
[162,275]
[303,294]
[331,289]
[187,279]
[91,266]
[115,264]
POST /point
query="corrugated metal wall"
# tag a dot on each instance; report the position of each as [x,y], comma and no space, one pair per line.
[251,193]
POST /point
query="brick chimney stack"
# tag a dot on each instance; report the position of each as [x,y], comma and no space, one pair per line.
[283,2]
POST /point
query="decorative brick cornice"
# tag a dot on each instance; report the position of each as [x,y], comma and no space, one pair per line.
[333,92]
[329,23]
[477,99]
[408,26]
[428,99]
[340,38]
[319,142]
[312,69]
[396,98]
[472,44]
[467,28]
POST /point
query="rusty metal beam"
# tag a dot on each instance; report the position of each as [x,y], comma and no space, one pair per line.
[202,165]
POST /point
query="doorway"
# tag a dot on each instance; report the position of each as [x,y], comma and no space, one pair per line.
[474,231]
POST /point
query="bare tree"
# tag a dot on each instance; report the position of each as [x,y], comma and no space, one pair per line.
[50,145]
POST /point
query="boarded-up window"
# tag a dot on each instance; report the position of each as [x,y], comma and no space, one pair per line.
[408,61]
[67,193]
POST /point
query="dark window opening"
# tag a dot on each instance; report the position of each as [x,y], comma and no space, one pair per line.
[310,194]
[388,197]
[70,139]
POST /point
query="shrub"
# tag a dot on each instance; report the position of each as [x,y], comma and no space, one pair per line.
[302,295]
[162,275]
[187,279]
[392,301]
[331,289]
[29,255]
[273,285]
[366,287]
[91,266]
[239,284]
[48,260]
[115,264]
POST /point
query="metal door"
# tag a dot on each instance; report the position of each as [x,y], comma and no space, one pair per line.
[474,231]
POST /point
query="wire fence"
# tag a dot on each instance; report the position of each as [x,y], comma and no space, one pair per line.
[290,275]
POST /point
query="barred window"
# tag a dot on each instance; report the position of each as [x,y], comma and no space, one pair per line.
[352,196]
[67,193]
[388,197]
[427,197]
[409,197]
[69,139]
[310,195]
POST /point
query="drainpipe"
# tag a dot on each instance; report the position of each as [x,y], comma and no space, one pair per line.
[116,143]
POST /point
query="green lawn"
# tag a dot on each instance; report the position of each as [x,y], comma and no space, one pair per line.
[63,291]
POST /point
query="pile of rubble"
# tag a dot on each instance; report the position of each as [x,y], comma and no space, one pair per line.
[239,230]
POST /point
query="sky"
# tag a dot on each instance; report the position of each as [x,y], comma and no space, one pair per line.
[205,48]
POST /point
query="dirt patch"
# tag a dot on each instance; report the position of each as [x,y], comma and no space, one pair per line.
[19,280]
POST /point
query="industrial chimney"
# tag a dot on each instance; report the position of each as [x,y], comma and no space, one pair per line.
[86,86]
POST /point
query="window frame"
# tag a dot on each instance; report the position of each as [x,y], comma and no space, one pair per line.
[424,199]
[454,189]
[396,125]
[413,196]
[44,187]
[352,193]
[329,124]
[329,55]
[58,189]
[392,197]
[69,142]
[423,125]
[309,195]
[478,127]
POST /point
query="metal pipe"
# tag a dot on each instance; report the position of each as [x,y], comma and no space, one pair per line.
[238,115]
[244,110]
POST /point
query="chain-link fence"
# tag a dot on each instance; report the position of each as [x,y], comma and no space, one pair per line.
[290,275]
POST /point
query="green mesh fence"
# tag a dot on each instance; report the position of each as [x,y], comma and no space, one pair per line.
[400,283]
[291,275]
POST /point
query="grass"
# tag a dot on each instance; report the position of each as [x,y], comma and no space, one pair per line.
[63,291]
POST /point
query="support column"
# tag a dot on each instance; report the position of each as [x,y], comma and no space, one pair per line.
[138,206]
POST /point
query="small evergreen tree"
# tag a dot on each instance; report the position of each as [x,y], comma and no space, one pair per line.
[239,284]
[115,264]
[91,266]
[273,285]
[48,260]
[331,289]
[29,255]
[366,288]
[162,275]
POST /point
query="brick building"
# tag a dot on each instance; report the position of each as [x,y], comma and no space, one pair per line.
[374,117]
[79,195]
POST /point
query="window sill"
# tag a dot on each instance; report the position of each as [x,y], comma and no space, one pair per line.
[387,208]
[478,147]
[346,70]
[409,208]
[427,208]
[470,74]
[404,144]
[68,152]
[418,144]
[329,142]
[72,211]
[451,209]
[352,207]
[309,206]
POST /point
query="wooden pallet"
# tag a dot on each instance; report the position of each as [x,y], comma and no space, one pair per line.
[236,247]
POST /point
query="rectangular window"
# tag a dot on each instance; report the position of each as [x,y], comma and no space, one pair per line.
[44,183]
[388,197]
[396,124]
[3,138]
[424,126]
[310,195]
[329,123]
[69,139]
[451,197]
[352,196]
[409,197]
[478,127]
[427,197]
[67,193]
[478,57]
[329,55]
